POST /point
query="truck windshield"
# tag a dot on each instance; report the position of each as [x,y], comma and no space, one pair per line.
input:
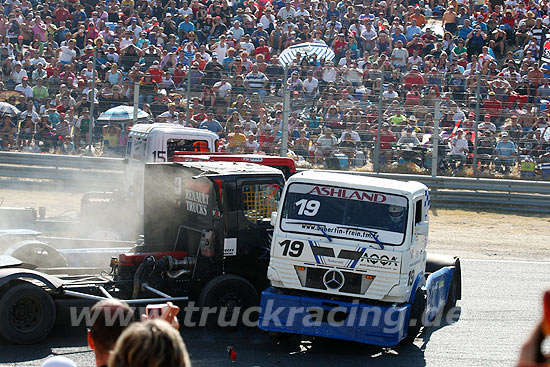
[186,145]
[345,213]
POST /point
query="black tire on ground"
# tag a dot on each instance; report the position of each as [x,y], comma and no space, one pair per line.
[417,312]
[37,253]
[452,296]
[434,262]
[232,292]
[27,314]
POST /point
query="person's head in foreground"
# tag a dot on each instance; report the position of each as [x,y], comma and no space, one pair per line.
[152,343]
[113,316]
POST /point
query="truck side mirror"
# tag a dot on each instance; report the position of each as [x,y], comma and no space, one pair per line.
[273,218]
[421,228]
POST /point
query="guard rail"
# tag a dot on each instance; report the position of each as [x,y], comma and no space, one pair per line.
[79,172]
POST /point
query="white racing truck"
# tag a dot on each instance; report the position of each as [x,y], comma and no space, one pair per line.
[348,261]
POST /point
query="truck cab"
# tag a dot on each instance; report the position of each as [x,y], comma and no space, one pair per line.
[217,213]
[361,226]
[149,143]
[354,249]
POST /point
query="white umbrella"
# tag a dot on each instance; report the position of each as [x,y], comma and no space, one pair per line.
[307,48]
[7,109]
[121,113]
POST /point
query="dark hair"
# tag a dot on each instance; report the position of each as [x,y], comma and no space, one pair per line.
[113,316]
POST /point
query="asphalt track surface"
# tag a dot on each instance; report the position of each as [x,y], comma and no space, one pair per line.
[501,303]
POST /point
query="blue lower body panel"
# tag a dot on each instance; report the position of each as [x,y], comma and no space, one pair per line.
[437,291]
[379,325]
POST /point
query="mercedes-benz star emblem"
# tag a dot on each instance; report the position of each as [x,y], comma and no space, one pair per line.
[333,279]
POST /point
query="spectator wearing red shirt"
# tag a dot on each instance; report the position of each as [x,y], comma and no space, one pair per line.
[262,49]
[339,46]
[387,137]
[508,20]
[428,37]
[179,75]
[415,44]
[493,107]
[156,72]
[413,96]
[413,78]
[62,14]
[51,69]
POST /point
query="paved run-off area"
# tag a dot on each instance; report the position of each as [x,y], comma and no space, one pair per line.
[506,266]
[501,303]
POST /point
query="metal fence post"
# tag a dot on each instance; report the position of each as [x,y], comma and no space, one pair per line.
[136,103]
[476,122]
[286,103]
[92,104]
[188,107]
[376,163]
[435,136]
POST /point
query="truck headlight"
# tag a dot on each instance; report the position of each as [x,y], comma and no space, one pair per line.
[398,291]
[301,272]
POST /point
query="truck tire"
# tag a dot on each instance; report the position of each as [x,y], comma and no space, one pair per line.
[233,292]
[417,312]
[27,314]
[37,253]
[452,296]
[434,262]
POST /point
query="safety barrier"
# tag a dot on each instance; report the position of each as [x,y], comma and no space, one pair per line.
[517,195]
[76,172]
[27,169]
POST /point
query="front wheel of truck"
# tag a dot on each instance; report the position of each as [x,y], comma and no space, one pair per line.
[415,320]
[230,299]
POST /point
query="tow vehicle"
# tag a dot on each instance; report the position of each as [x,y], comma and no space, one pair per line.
[206,238]
[348,261]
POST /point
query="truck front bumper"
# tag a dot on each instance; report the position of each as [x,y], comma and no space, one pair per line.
[372,324]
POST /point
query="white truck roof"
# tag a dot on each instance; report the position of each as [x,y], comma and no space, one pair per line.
[315,177]
[147,129]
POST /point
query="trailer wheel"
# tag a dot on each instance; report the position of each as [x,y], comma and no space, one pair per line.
[37,253]
[27,314]
[229,294]
[417,312]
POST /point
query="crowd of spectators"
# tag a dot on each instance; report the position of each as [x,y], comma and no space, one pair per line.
[393,60]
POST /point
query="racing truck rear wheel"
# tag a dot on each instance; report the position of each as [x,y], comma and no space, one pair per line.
[27,314]
[417,312]
[231,296]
